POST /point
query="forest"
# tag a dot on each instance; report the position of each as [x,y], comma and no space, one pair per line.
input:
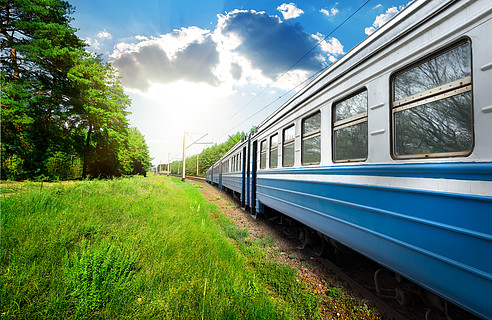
[64,110]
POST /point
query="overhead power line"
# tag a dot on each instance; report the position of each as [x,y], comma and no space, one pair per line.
[290,68]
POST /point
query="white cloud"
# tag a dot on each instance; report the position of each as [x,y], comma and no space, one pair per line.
[96,41]
[93,43]
[382,19]
[331,46]
[104,35]
[331,12]
[225,58]
[289,10]
[187,54]
[369,30]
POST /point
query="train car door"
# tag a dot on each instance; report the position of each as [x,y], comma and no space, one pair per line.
[220,175]
[253,178]
[248,174]
[243,179]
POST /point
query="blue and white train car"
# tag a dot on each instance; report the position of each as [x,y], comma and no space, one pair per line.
[215,173]
[232,162]
[389,151]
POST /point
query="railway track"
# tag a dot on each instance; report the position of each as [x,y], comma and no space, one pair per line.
[189,177]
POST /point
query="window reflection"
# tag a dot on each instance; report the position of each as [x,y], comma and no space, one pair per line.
[441,122]
[311,150]
[350,128]
[450,66]
[311,139]
[311,124]
[351,142]
[438,127]
[288,151]
[263,154]
[351,107]
[274,151]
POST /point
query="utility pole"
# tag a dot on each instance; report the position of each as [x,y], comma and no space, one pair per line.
[197,164]
[168,163]
[186,147]
[184,156]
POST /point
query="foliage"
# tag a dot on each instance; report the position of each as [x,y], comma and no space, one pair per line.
[58,101]
[134,157]
[334,292]
[97,274]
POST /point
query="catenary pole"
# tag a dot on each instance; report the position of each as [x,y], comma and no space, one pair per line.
[184,156]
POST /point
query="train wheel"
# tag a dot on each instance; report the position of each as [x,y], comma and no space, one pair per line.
[306,237]
[320,246]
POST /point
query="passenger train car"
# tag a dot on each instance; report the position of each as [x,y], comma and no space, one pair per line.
[389,151]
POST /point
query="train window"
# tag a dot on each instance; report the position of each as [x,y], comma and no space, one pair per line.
[288,146]
[432,109]
[350,128]
[263,151]
[274,151]
[311,139]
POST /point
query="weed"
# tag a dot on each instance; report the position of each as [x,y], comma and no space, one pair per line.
[334,292]
[98,274]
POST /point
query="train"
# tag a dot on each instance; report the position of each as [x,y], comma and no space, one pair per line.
[389,152]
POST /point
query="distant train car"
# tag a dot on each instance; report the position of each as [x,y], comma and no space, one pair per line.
[208,175]
[389,151]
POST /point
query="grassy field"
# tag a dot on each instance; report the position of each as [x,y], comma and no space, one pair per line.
[135,248]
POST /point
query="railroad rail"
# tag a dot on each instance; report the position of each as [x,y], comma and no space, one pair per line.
[187,177]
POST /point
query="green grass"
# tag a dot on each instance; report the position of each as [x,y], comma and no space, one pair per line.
[139,248]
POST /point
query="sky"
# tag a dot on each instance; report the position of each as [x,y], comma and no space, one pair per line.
[217,67]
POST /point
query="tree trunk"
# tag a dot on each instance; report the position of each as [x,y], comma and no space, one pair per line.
[86,151]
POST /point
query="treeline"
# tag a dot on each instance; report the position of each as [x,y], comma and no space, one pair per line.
[206,158]
[64,111]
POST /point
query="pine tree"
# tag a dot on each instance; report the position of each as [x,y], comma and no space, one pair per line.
[38,49]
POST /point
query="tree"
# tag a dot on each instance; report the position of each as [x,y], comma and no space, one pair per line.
[37,51]
[100,115]
[134,155]
[60,104]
